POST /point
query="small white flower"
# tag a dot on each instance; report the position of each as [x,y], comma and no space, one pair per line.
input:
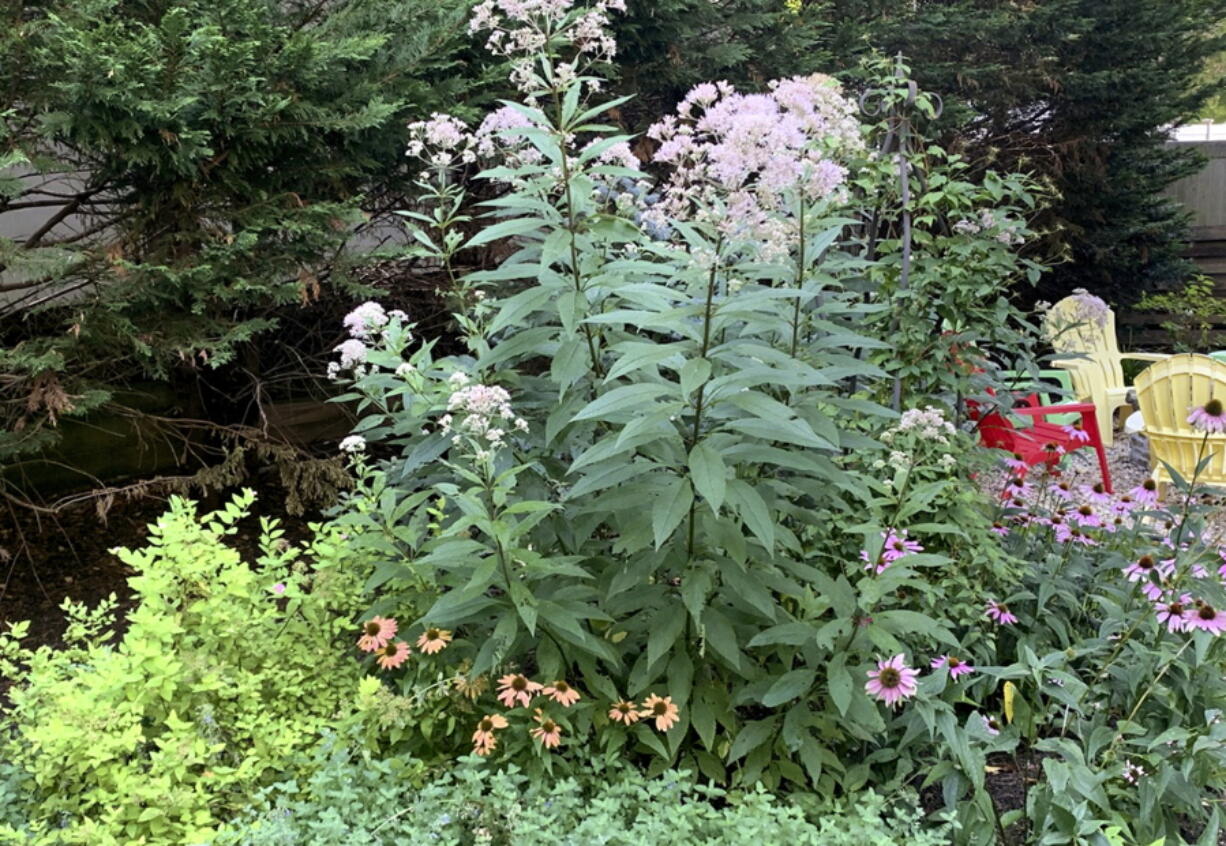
[353,444]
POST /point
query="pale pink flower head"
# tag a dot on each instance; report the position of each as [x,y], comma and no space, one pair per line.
[547,731]
[662,709]
[366,320]
[433,640]
[376,632]
[999,613]
[892,681]
[1018,489]
[1145,494]
[1077,433]
[1085,515]
[894,545]
[1174,612]
[393,654]
[956,666]
[1096,493]
[991,725]
[1207,618]
[1210,417]
[353,353]
[562,693]
[1014,462]
[516,689]
[624,712]
[1000,529]
[278,588]
[1061,490]
[484,740]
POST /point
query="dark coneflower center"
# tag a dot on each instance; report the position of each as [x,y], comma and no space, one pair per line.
[954,662]
[549,726]
[519,683]
[372,628]
[487,724]
[1085,511]
[432,634]
[1175,608]
[1214,407]
[623,707]
[1065,486]
[659,709]
[994,725]
[888,677]
[1098,488]
[1050,446]
[1146,562]
[1206,612]
[389,650]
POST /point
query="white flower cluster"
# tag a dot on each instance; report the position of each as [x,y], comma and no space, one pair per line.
[931,425]
[442,141]
[353,444]
[364,323]
[485,414]
[1008,231]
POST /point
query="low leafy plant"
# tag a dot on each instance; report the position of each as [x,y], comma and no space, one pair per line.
[355,798]
[224,672]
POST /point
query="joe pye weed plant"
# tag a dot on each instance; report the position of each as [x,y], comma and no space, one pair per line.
[638,481]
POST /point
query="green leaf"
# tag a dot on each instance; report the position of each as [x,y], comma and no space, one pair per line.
[670,509]
[694,372]
[506,229]
[624,402]
[789,686]
[709,474]
[667,625]
[790,634]
[839,683]
[753,735]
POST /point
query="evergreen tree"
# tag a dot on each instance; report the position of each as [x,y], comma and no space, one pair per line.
[198,169]
[1079,92]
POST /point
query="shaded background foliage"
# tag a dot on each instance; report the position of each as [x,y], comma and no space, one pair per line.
[238,150]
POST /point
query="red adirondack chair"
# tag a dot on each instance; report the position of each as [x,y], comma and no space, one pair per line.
[1042,442]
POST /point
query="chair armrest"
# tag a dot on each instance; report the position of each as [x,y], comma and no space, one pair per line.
[1065,408]
[1139,356]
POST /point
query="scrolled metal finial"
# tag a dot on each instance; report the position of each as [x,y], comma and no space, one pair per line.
[872,102]
[938,107]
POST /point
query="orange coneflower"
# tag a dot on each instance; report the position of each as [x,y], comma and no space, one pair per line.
[392,655]
[483,738]
[662,709]
[513,688]
[433,640]
[376,632]
[548,732]
[624,712]
[562,693]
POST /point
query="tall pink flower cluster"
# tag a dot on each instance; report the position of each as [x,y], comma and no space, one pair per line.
[484,412]
[523,30]
[745,159]
[442,141]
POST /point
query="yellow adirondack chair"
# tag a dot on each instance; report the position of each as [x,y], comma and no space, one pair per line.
[1167,391]
[1085,326]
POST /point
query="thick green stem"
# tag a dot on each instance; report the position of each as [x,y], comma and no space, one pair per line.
[700,397]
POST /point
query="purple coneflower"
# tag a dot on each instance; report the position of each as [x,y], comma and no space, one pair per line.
[892,681]
[1146,494]
[1000,613]
[991,725]
[1096,493]
[1077,433]
[1207,618]
[1210,417]
[957,667]
[1173,613]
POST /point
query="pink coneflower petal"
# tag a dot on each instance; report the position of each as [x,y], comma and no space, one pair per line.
[562,693]
[661,709]
[1145,494]
[624,712]
[956,666]
[991,725]
[376,632]
[1210,417]
[1096,493]
[1207,618]
[892,681]
[1077,433]
[393,654]
[515,689]
[433,641]
[1000,613]
[1174,613]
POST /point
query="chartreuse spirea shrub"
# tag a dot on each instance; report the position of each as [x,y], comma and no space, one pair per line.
[226,671]
[638,507]
[355,798]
